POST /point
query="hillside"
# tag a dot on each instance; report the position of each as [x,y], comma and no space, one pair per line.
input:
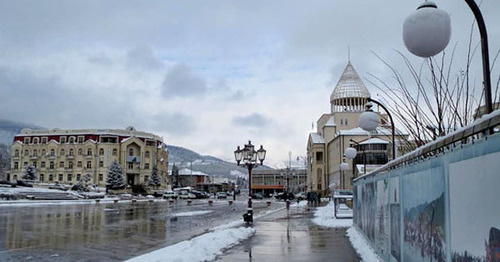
[8,129]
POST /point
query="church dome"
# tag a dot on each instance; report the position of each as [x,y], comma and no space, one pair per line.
[350,93]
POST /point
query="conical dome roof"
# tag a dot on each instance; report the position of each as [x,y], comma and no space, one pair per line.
[349,85]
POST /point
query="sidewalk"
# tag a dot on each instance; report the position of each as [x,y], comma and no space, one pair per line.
[291,236]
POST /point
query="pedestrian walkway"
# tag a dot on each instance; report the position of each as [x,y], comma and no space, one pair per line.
[291,236]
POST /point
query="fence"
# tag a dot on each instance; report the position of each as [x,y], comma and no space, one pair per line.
[437,203]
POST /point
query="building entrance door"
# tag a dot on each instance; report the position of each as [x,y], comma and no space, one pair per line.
[131,179]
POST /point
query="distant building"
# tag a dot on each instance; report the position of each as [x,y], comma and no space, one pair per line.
[194,179]
[67,156]
[270,181]
[326,146]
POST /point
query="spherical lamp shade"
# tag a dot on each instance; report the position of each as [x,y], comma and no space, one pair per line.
[350,153]
[368,121]
[344,166]
[427,31]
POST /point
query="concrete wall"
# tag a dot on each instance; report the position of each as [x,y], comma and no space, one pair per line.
[444,207]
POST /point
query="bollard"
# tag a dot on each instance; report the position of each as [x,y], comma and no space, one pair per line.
[210,202]
[268,203]
[230,202]
[115,201]
[133,201]
[97,201]
[171,201]
[189,202]
[288,204]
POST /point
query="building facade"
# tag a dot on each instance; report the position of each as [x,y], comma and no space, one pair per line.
[67,156]
[336,130]
[270,181]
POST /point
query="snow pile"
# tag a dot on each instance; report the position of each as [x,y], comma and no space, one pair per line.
[362,247]
[192,213]
[324,217]
[203,248]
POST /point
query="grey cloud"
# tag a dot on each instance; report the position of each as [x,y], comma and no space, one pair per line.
[252,120]
[142,57]
[181,81]
[175,123]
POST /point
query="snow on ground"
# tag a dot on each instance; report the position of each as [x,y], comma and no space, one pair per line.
[324,217]
[191,213]
[202,248]
[359,243]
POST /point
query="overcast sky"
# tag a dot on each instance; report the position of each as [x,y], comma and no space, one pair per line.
[205,75]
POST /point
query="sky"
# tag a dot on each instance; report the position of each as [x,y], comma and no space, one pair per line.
[205,75]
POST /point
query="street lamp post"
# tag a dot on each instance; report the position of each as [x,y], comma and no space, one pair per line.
[247,157]
[427,31]
[369,121]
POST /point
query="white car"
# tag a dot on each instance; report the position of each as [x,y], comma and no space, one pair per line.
[187,195]
[170,194]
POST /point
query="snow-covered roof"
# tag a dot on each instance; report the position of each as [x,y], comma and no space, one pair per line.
[374,141]
[317,138]
[189,172]
[349,85]
[330,122]
[379,131]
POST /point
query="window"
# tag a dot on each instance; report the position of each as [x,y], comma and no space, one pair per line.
[61,164]
[81,139]
[89,152]
[146,177]
[70,165]
[146,166]
[62,139]
[101,152]
[89,164]
[34,164]
[101,177]
[101,163]
[35,140]
[79,164]
[71,152]
[51,165]
[130,165]
[346,123]
[42,177]
[44,152]
[80,151]
[51,177]
[35,152]
[131,152]
[16,165]
[319,156]
[26,152]
[16,153]
[15,177]
[25,164]
[146,154]
[26,140]
[78,177]
[52,152]
[72,139]
[42,165]
[61,177]
[62,152]
[115,152]
[70,177]
[44,140]
[341,121]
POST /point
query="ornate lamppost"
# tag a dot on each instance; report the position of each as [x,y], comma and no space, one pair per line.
[369,121]
[247,157]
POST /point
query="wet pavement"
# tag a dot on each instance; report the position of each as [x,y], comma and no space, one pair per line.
[291,236]
[107,231]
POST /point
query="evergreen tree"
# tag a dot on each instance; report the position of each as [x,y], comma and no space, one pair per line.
[154,180]
[29,173]
[115,177]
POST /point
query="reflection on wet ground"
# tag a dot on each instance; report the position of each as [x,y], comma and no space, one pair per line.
[293,237]
[105,232]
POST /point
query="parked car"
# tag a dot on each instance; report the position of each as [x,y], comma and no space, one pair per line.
[170,195]
[59,187]
[283,196]
[22,183]
[187,195]
[257,196]
[301,196]
[221,195]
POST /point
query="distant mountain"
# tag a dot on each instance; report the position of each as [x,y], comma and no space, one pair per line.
[182,157]
[8,129]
